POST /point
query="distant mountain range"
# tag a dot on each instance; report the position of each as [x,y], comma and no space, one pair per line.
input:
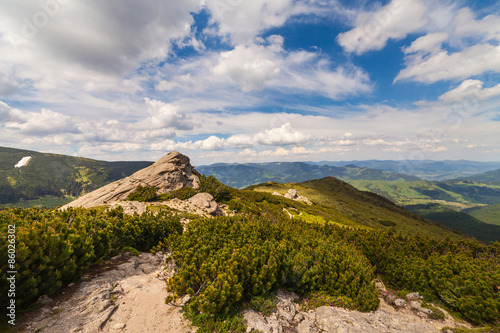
[424,169]
[243,175]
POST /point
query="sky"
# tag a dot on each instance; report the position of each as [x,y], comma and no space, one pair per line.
[252,80]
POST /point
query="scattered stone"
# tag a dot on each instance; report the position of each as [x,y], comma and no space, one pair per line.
[304,199]
[44,299]
[415,295]
[400,303]
[71,284]
[380,287]
[118,326]
[205,201]
[185,300]
[278,194]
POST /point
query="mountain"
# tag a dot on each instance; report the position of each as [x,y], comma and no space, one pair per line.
[462,194]
[51,179]
[424,169]
[264,250]
[485,177]
[460,221]
[243,175]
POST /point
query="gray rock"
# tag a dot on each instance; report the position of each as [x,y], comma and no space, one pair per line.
[256,322]
[278,194]
[205,201]
[44,299]
[304,199]
[288,196]
[415,295]
[185,300]
[400,303]
[305,326]
[292,193]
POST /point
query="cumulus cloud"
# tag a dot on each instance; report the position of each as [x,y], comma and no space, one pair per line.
[165,115]
[427,60]
[470,89]
[242,20]
[392,21]
[53,43]
[473,60]
[251,66]
[265,64]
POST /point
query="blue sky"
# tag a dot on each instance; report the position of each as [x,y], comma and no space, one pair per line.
[240,80]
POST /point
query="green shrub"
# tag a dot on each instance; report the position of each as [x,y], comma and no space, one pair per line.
[265,305]
[206,323]
[182,194]
[316,300]
[142,193]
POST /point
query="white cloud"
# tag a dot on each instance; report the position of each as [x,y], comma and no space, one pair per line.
[59,45]
[250,66]
[430,43]
[477,50]
[164,115]
[242,20]
[392,21]
[473,60]
[470,90]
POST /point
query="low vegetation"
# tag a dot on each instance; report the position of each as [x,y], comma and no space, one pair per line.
[228,263]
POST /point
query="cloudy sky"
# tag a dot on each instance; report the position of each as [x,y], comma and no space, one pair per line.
[252,80]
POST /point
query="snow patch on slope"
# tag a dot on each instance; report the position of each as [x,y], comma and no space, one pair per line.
[23,162]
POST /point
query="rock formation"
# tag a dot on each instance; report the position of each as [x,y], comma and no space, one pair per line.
[292,195]
[173,171]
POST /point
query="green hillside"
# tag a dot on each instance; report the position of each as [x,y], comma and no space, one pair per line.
[460,221]
[486,177]
[243,175]
[488,214]
[349,206]
[50,179]
[461,194]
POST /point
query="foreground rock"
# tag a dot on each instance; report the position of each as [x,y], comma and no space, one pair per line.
[288,318]
[173,171]
[128,297]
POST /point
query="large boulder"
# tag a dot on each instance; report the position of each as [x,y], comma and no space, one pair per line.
[171,172]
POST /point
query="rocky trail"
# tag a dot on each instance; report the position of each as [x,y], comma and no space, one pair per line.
[127,293]
[123,295]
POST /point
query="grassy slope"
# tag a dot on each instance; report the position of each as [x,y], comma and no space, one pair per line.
[460,221]
[357,208]
[462,194]
[488,214]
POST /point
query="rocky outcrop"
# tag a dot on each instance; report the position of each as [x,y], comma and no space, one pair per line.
[205,201]
[288,317]
[173,171]
[292,195]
